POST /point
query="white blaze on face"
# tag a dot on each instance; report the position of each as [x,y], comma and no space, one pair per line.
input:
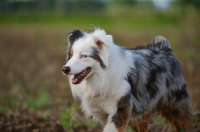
[80,62]
[80,59]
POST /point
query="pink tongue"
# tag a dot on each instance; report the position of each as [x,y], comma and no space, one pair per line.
[79,77]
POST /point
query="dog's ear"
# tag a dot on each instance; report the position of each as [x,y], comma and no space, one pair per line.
[101,38]
[99,44]
[73,36]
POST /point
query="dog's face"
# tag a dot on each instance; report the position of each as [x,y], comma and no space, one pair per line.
[85,55]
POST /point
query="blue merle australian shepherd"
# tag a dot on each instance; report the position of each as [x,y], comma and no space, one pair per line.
[118,86]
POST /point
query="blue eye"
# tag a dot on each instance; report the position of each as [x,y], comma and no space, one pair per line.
[83,56]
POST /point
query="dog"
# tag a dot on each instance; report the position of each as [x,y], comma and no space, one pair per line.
[117,86]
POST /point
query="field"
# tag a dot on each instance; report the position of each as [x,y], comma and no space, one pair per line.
[35,95]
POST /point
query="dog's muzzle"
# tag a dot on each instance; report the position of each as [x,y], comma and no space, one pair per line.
[66,69]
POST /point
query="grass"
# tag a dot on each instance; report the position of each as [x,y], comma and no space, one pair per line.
[67,118]
[90,124]
[105,19]
[41,102]
[159,120]
[68,121]
[6,103]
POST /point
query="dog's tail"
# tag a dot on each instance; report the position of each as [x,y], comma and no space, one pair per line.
[161,43]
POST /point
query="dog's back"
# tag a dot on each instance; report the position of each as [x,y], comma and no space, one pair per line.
[158,84]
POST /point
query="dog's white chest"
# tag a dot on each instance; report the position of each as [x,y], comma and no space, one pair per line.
[99,108]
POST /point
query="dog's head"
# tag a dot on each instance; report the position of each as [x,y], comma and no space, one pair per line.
[87,53]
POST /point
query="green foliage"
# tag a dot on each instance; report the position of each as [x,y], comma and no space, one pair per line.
[160,120]
[90,124]
[130,129]
[186,4]
[114,18]
[68,122]
[195,3]
[41,102]
[6,102]
[190,54]
[190,68]
[67,118]
[195,119]
[126,2]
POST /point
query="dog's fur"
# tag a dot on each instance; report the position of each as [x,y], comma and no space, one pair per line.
[120,86]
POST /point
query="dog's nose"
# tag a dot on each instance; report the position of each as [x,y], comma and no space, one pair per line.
[66,69]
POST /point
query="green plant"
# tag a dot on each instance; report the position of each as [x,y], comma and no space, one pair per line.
[130,129]
[7,102]
[160,120]
[66,118]
[190,54]
[41,102]
[90,124]
[190,68]
[195,119]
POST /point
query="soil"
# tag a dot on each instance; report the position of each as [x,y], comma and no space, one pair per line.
[32,121]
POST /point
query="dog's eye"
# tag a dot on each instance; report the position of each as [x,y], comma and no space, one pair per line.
[83,56]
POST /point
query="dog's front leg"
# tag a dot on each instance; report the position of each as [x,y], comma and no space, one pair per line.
[119,121]
[110,125]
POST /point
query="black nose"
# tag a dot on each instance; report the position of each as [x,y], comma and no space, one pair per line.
[66,69]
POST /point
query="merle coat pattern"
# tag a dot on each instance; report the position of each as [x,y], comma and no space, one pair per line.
[123,86]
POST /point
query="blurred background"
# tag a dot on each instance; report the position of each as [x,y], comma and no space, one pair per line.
[35,95]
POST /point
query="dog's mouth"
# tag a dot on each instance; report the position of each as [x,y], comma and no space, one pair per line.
[77,78]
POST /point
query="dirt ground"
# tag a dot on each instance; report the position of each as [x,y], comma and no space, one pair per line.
[31,59]
[24,120]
